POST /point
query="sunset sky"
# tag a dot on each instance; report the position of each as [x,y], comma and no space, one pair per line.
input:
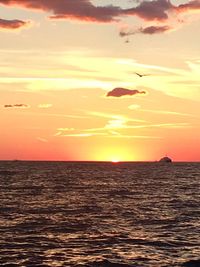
[69,83]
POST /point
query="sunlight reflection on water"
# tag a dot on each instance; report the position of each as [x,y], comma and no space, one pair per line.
[99,214]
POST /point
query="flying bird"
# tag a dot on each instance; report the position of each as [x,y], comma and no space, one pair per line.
[141,75]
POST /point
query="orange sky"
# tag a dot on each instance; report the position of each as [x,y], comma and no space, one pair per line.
[69,88]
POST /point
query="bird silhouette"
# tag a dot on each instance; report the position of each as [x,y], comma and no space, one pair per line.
[141,75]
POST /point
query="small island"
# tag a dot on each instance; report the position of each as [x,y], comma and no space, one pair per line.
[165,159]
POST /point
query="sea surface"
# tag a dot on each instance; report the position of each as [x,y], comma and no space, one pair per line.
[99,214]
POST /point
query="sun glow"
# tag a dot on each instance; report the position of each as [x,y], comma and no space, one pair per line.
[112,152]
[115,160]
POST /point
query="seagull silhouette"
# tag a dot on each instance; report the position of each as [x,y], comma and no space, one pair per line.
[141,75]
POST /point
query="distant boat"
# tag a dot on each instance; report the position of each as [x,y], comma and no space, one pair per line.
[165,159]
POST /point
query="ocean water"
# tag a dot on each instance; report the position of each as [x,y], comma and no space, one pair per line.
[99,214]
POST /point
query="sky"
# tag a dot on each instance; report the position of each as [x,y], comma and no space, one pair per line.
[101,80]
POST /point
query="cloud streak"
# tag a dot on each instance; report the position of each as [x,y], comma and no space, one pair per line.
[160,112]
[16,106]
[45,105]
[42,139]
[124,125]
[119,92]
[146,30]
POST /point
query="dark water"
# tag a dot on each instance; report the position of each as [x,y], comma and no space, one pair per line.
[99,214]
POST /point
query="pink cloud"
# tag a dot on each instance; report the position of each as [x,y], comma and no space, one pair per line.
[146,30]
[160,10]
[154,29]
[190,6]
[70,9]
[152,10]
[119,92]
[85,10]
[12,24]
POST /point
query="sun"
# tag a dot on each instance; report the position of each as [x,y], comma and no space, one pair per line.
[115,160]
[114,153]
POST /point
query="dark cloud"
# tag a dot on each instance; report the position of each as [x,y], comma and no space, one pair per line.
[70,9]
[146,30]
[154,29]
[16,106]
[152,10]
[119,92]
[12,24]
[160,10]
[85,10]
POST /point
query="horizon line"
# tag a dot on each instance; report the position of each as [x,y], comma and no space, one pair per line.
[97,161]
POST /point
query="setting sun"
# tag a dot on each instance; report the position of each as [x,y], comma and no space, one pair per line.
[112,152]
[115,160]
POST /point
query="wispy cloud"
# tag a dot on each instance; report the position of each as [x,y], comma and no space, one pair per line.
[105,132]
[136,136]
[42,139]
[45,105]
[134,106]
[119,126]
[141,126]
[158,111]
[66,129]
[62,131]
[118,122]
[167,112]
[112,116]
[135,64]
[82,134]
[60,115]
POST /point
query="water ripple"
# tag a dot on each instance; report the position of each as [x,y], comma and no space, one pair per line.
[99,214]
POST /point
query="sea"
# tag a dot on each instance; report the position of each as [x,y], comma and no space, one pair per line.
[99,214]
